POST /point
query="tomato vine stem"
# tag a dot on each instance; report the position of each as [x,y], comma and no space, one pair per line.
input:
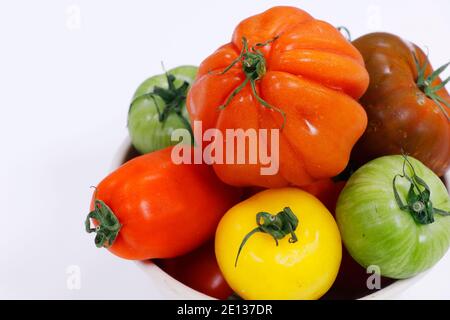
[174,99]
[425,84]
[254,67]
[277,226]
[345,32]
[108,225]
[418,200]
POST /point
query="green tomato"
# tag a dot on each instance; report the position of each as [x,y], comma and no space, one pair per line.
[158,108]
[396,225]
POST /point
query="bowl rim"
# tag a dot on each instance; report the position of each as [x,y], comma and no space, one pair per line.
[177,290]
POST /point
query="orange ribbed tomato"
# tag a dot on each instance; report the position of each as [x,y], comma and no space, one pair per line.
[300,75]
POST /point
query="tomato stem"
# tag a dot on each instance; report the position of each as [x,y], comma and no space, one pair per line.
[418,199]
[254,67]
[345,32]
[108,226]
[173,97]
[425,84]
[278,226]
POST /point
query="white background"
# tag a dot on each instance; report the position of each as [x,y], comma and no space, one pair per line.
[65,85]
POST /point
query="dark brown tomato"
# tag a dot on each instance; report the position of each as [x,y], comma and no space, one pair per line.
[403,117]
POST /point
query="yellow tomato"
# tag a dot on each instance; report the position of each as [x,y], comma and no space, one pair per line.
[303,265]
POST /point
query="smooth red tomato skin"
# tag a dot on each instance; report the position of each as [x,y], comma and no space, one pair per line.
[166,210]
[200,271]
[402,119]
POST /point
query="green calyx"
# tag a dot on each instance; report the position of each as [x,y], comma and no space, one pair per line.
[277,226]
[174,99]
[425,84]
[254,67]
[108,225]
[418,200]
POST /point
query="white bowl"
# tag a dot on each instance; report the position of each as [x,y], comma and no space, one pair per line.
[171,288]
